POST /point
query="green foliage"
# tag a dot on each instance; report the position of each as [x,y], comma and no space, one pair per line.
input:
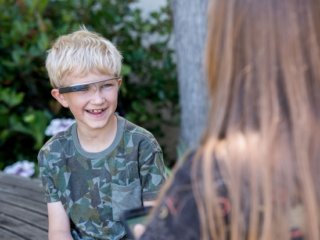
[149,91]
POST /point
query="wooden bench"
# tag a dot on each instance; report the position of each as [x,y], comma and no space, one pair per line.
[23,212]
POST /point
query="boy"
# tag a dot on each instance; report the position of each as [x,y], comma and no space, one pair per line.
[103,164]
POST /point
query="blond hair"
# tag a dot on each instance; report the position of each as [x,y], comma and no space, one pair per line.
[80,53]
[263,59]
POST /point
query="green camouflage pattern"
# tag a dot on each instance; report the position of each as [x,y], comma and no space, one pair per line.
[95,188]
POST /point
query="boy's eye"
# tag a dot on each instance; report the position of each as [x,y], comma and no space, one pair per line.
[107,85]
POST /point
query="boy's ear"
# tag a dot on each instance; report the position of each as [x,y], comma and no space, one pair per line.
[120,82]
[59,97]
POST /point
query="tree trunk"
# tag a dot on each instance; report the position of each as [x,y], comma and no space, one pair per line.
[190,27]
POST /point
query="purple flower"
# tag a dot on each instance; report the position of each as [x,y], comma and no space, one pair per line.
[58,125]
[21,168]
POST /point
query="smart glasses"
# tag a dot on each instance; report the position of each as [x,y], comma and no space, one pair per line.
[89,87]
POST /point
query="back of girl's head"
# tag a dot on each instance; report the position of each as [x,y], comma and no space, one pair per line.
[263,67]
[263,57]
[80,53]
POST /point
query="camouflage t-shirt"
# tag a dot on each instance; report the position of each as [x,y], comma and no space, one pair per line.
[95,188]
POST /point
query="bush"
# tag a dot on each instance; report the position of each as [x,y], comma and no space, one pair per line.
[149,91]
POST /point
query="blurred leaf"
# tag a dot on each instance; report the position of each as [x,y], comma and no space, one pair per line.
[125,70]
[10,97]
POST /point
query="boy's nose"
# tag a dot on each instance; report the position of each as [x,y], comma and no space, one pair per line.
[97,96]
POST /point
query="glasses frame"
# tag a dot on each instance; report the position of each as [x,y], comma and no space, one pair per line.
[82,86]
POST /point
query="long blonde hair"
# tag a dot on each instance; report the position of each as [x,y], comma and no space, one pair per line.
[263,66]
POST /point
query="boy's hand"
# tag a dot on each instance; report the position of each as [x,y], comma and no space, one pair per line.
[138,230]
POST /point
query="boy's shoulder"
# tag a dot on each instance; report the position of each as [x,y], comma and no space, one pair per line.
[133,128]
[59,139]
[137,133]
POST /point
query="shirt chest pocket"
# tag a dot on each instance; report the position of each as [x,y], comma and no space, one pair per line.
[125,198]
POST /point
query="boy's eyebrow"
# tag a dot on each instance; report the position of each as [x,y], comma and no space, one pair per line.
[82,86]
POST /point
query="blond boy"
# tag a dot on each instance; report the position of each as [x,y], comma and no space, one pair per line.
[103,164]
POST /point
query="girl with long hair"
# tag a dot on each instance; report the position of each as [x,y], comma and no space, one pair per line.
[255,174]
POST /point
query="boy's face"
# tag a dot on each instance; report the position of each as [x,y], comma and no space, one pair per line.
[92,99]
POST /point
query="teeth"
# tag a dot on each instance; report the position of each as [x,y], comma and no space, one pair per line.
[96,110]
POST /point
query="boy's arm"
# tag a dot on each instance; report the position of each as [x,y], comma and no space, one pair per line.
[58,220]
[59,225]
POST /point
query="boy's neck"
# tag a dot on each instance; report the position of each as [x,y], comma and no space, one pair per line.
[99,140]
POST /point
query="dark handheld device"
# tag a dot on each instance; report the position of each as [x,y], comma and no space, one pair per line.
[130,218]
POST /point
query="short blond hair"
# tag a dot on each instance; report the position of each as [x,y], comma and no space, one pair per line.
[81,52]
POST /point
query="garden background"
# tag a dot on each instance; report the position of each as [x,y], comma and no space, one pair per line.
[148,96]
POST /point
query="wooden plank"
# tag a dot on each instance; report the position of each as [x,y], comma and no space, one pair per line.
[8,235]
[12,181]
[23,211]
[20,194]
[37,206]
[21,187]
[25,215]
[21,229]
